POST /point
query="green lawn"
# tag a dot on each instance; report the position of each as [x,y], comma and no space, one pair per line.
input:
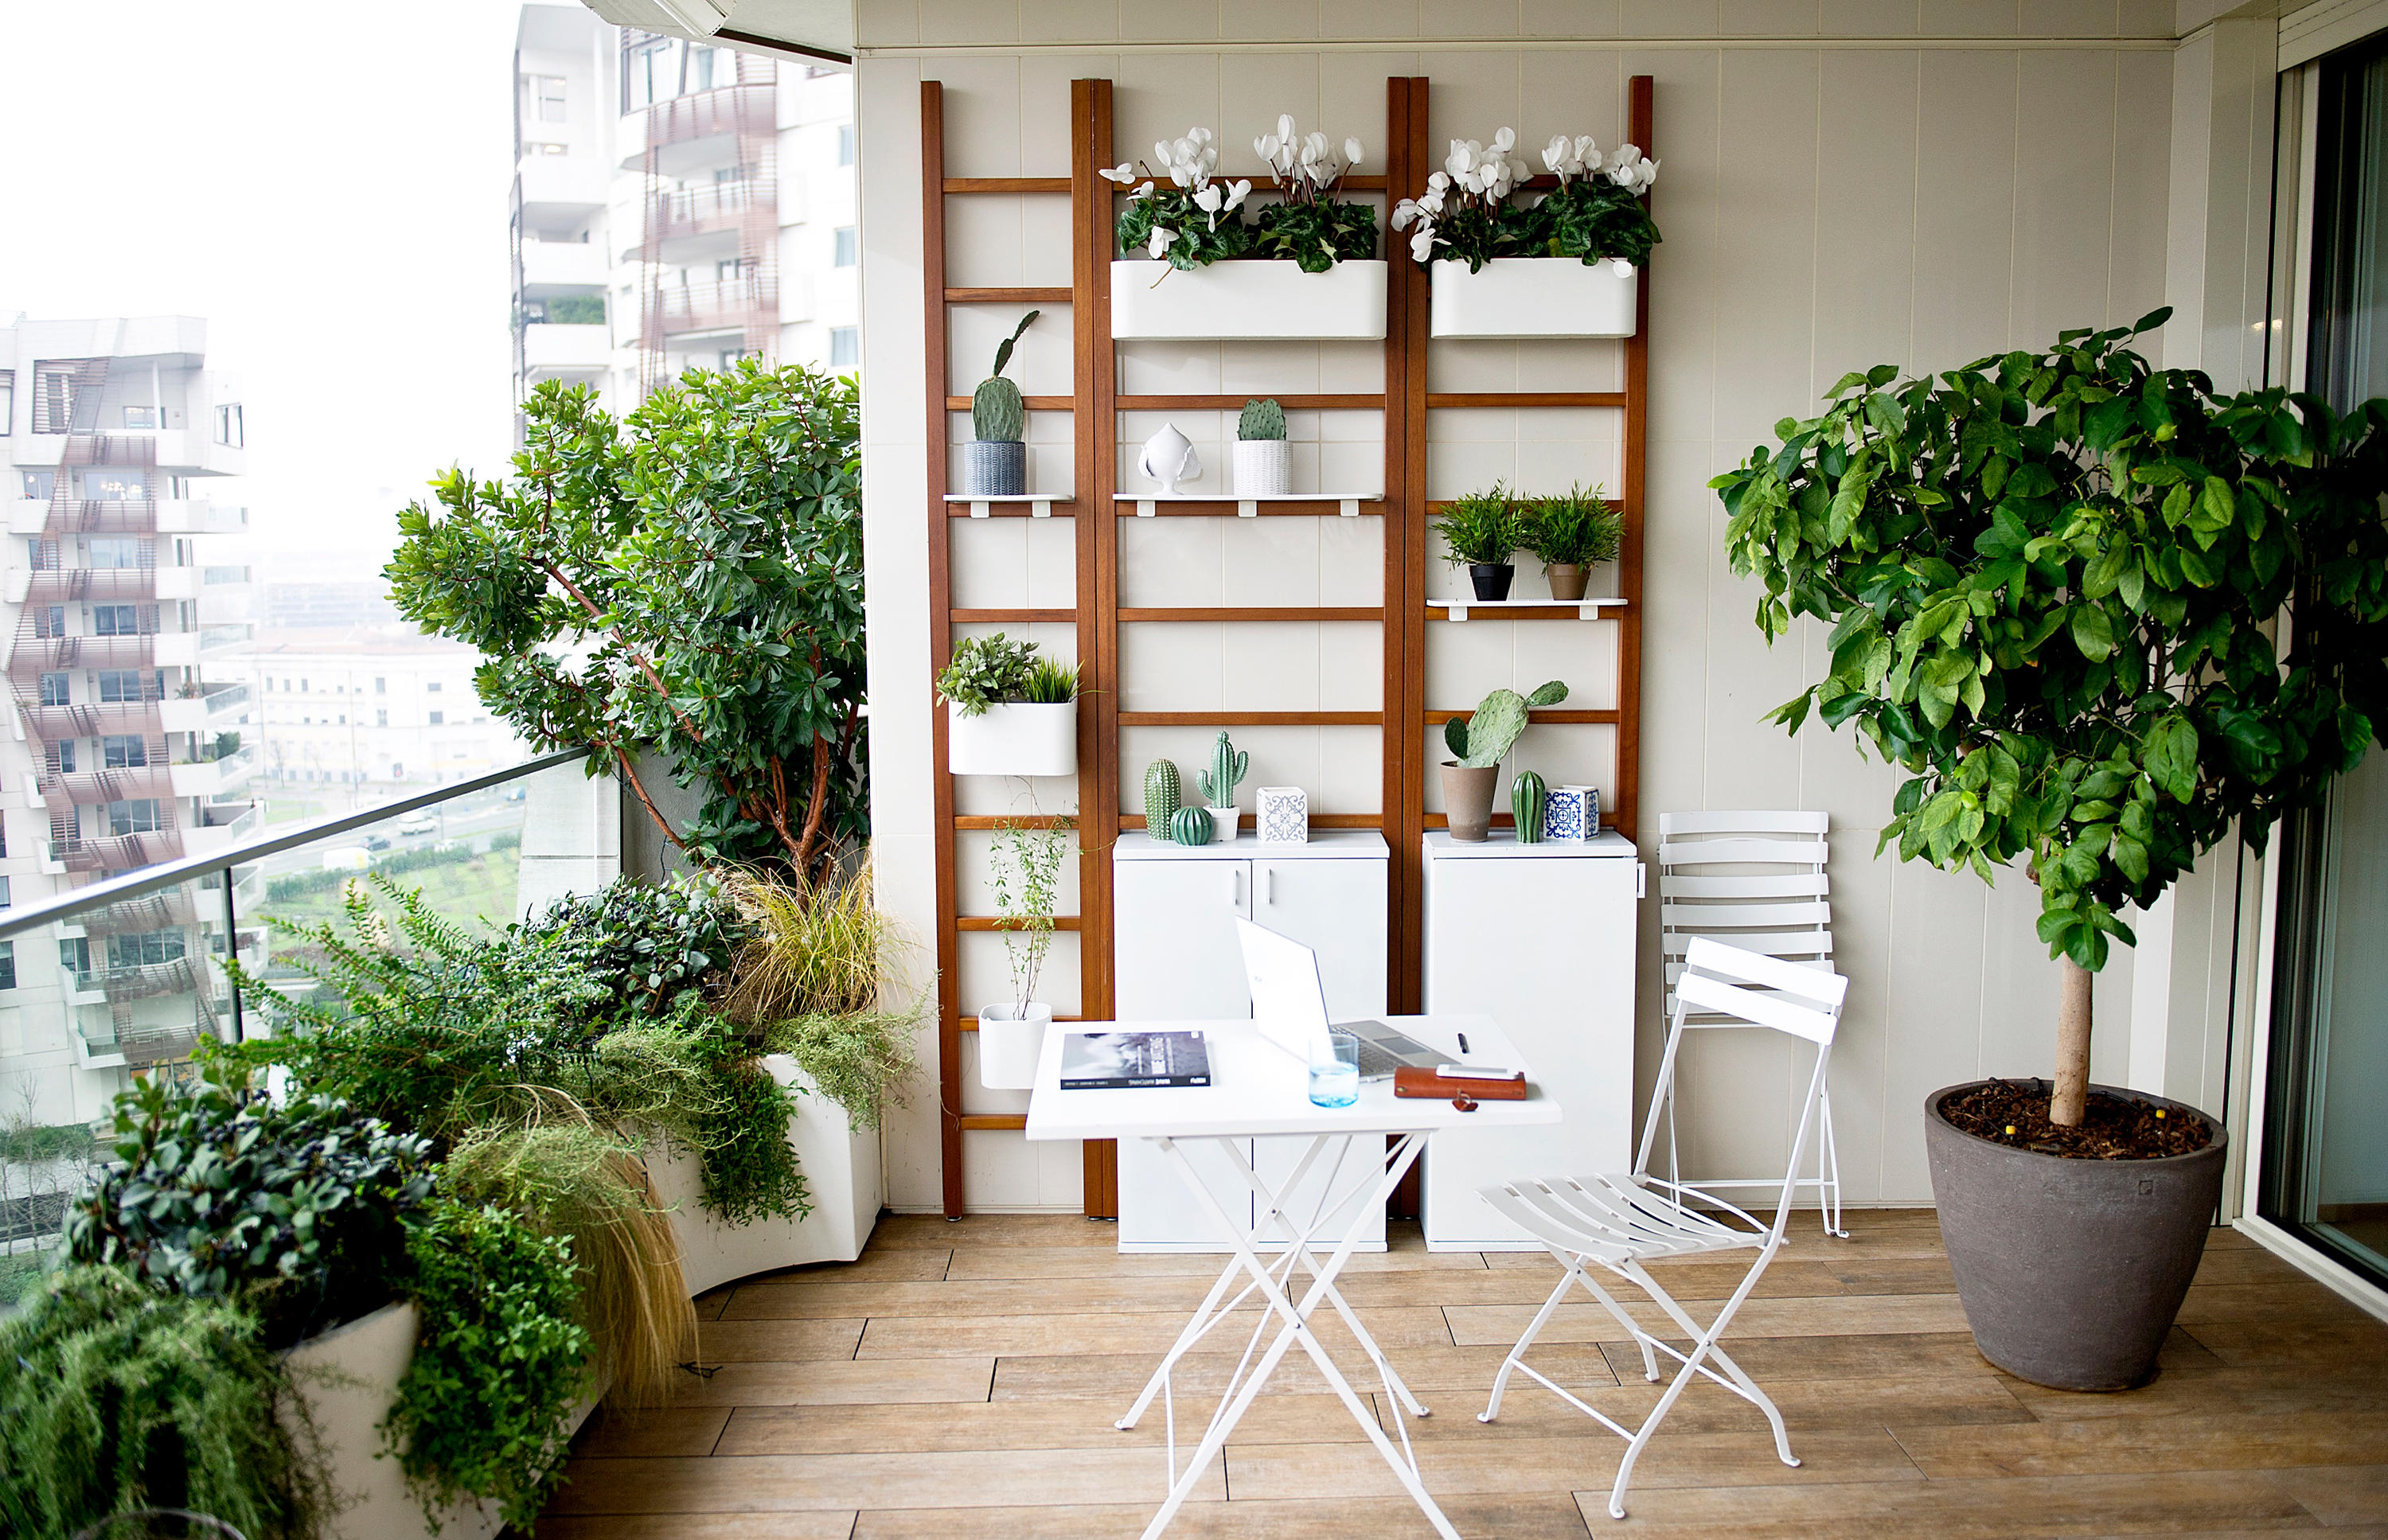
[290,810]
[466,890]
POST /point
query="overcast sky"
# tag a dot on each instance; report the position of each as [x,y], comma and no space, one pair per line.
[326,185]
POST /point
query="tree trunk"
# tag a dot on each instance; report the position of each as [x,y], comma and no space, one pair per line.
[2071,1097]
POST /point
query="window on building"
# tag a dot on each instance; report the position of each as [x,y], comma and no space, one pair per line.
[7,401]
[178,487]
[7,965]
[62,757]
[74,953]
[650,72]
[54,691]
[141,419]
[115,620]
[846,143]
[729,270]
[133,816]
[844,347]
[303,686]
[118,686]
[50,621]
[433,688]
[381,685]
[39,485]
[849,248]
[123,752]
[437,717]
[115,484]
[381,718]
[547,98]
[3,892]
[143,948]
[229,431]
[118,550]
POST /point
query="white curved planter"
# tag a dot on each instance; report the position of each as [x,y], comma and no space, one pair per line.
[1240,301]
[1534,297]
[1009,1045]
[348,1376]
[1019,740]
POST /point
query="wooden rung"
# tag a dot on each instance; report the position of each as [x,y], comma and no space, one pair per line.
[1008,297]
[1013,820]
[1034,403]
[1011,617]
[1251,719]
[1007,185]
[1252,613]
[1236,402]
[1453,399]
[991,922]
[1317,820]
[1549,716]
[991,1122]
[969,1023]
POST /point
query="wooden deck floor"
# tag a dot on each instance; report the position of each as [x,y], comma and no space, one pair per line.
[960,1380]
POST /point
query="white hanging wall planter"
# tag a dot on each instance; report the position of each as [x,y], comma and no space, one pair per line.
[1248,300]
[1534,296]
[1010,1042]
[1018,739]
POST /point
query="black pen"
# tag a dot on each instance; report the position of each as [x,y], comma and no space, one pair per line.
[1463,1043]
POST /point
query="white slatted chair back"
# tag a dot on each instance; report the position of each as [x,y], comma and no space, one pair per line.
[1747,988]
[1755,880]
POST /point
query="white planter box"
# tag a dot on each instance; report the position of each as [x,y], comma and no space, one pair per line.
[1534,297]
[1013,741]
[348,1376]
[1240,301]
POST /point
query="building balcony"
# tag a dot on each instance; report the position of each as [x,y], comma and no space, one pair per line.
[199,516]
[213,777]
[729,306]
[205,712]
[66,584]
[551,348]
[226,826]
[560,189]
[551,266]
[178,582]
[35,654]
[194,451]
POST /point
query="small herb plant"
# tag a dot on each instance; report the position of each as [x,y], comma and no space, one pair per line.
[1309,225]
[1262,420]
[1026,877]
[1574,528]
[1484,739]
[998,412]
[1192,222]
[1596,214]
[996,671]
[1482,528]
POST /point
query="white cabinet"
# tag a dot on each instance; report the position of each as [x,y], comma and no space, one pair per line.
[1175,958]
[1539,938]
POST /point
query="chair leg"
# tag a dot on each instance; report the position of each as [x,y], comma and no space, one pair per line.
[1703,1346]
[1534,1329]
[1828,1167]
[1625,1318]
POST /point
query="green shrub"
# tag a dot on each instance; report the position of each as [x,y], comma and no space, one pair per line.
[1482,528]
[639,943]
[499,1361]
[1574,527]
[298,885]
[223,1195]
[987,671]
[119,1396]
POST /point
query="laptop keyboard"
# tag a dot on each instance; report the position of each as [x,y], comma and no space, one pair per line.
[1376,1062]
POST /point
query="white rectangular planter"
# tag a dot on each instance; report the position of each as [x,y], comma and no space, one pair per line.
[1240,301]
[1020,739]
[1534,297]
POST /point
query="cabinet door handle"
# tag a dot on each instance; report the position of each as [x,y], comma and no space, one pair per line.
[1268,885]
[1235,886]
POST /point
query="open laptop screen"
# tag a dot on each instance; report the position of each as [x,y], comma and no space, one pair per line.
[1288,1004]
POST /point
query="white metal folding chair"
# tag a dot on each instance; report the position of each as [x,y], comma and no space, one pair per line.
[1622,1222]
[1755,880]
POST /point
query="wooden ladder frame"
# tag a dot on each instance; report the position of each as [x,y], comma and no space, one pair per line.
[1095,507]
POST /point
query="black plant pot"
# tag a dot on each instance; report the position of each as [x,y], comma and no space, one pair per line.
[1492,579]
[2070,1270]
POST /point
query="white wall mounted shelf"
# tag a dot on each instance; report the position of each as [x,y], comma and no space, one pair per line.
[1040,504]
[1521,609]
[1148,504]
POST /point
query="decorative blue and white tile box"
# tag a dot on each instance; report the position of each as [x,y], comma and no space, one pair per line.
[1571,814]
[1281,815]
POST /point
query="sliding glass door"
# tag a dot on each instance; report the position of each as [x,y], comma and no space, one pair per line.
[2325,1172]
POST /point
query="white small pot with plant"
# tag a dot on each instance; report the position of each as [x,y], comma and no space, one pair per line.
[1572,532]
[1007,711]
[1026,878]
[1567,265]
[995,461]
[1218,785]
[1263,459]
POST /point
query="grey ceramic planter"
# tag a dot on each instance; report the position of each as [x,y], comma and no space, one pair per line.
[995,468]
[1467,801]
[2070,1270]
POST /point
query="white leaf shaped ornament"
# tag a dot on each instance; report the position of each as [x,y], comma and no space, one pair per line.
[1169,458]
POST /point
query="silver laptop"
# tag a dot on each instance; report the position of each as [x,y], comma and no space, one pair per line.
[1290,1007]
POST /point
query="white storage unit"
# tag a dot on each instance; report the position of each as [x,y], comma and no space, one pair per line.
[1177,959]
[1539,938]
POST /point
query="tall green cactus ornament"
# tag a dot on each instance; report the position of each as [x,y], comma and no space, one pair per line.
[997,413]
[1161,797]
[1528,796]
[1228,766]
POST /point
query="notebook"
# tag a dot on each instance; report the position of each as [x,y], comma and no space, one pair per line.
[1115,1061]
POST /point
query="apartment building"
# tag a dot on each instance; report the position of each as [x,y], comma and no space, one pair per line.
[676,205]
[383,708]
[126,746]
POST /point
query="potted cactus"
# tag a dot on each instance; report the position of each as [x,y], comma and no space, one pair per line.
[1479,743]
[995,463]
[1218,787]
[1263,459]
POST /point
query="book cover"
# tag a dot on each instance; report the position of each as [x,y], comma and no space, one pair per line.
[1114,1061]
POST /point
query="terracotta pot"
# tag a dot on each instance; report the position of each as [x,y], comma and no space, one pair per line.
[1491,580]
[2070,1270]
[1467,801]
[1568,578]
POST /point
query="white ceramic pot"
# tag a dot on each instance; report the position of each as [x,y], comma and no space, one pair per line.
[1018,739]
[1010,1042]
[1534,297]
[1223,821]
[1263,467]
[1248,300]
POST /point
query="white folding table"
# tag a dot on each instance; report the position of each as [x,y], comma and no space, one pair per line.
[1258,1088]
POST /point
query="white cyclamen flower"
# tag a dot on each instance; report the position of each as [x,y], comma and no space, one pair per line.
[1558,158]
[1285,127]
[1406,211]
[1267,147]
[1464,157]
[1237,190]
[1422,243]
[1620,266]
[1143,192]
[1207,200]
[1159,244]
[1123,174]
[1504,141]
[1351,152]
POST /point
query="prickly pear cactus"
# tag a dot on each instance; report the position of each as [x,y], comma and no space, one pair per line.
[997,414]
[1498,723]
[1527,796]
[1262,419]
[1228,766]
[1160,797]
[1190,826]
